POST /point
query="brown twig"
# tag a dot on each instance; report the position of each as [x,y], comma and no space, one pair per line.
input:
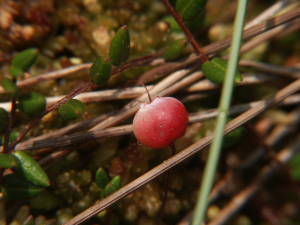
[171,162]
[271,69]
[268,13]
[186,31]
[54,139]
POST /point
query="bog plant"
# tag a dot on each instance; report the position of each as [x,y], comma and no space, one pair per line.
[108,186]
[157,124]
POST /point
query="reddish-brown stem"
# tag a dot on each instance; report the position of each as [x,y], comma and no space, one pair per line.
[172,145]
[10,122]
[140,84]
[137,62]
[90,84]
[8,129]
[186,31]
[29,126]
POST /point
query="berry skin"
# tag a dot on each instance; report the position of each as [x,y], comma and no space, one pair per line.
[159,123]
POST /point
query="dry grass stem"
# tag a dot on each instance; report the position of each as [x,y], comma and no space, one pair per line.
[270,69]
[116,94]
[54,139]
[271,11]
[50,76]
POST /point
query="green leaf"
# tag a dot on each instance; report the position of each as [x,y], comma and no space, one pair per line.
[117,182]
[197,23]
[15,188]
[108,190]
[193,25]
[190,9]
[32,104]
[215,71]
[4,117]
[100,71]
[10,87]
[120,46]
[295,173]
[15,71]
[8,161]
[233,137]
[12,137]
[295,161]
[24,60]
[101,178]
[30,170]
[175,49]
[46,201]
[71,110]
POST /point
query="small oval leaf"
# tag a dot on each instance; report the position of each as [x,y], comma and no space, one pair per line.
[12,137]
[15,188]
[117,182]
[10,87]
[190,9]
[215,71]
[120,46]
[71,110]
[15,71]
[25,59]
[108,190]
[32,104]
[100,71]
[193,25]
[175,49]
[30,170]
[101,178]
[8,161]
[233,137]
[46,201]
[4,117]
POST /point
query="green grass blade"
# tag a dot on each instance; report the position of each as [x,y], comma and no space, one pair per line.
[213,158]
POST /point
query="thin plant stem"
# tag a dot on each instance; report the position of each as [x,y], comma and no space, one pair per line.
[214,153]
[186,31]
[8,129]
[168,175]
[86,86]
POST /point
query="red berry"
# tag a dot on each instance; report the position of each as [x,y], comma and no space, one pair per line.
[161,122]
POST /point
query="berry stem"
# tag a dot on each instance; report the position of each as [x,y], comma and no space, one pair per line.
[172,145]
[140,84]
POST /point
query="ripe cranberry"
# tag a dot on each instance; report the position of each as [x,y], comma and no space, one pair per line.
[161,122]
